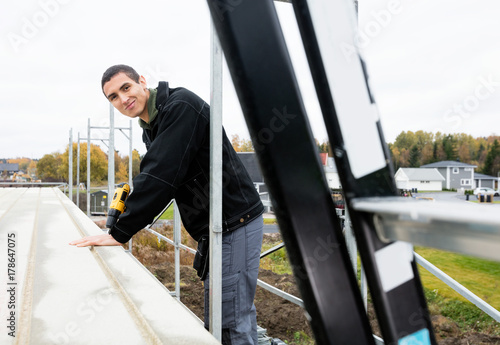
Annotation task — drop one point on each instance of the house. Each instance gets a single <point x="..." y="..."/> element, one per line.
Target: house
<point x="457" y="175"/>
<point x="249" y="160"/>
<point x="481" y="180"/>
<point x="331" y="173"/>
<point x="7" y="170"/>
<point x="428" y="179"/>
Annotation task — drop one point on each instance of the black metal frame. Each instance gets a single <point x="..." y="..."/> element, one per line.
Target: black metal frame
<point x="403" y="310"/>
<point x="265" y="83"/>
<point x="263" y="76"/>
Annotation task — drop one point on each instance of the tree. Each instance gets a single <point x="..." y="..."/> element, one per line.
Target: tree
<point x="235" y="141"/>
<point x="241" y="145"/>
<point x="450" y="147"/>
<point x="491" y="164"/>
<point x="136" y="163"/>
<point x="427" y="154"/>
<point x="325" y="147"/>
<point x="405" y="140"/>
<point x="246" y="145"/>
<point x="394" y="151"/>
<point x="414" y="160"/>
<point x="98" y="163"/>
<point x="49" y="168"/>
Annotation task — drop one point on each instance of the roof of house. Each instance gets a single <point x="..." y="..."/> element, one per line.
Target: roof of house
<point x="9" y="166"/>
<point x="478" y="176"/>
<point x="249" y="160"/>
<point x="445" y="164"/>
<point x="419" y="174"/>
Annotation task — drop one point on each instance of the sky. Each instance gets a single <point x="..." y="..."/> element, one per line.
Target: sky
<point x="432" y="65"/>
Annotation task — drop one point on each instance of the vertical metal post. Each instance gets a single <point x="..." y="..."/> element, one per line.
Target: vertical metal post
<point x="70" y="165"/>
<point x="111" y="155"/>
<point x="364" y="288"/>
<point x="177" y="241"/>
<point x="88" y="169"/>
<point x="215" y="255"/>
<point x="351" y="242"/>
<point x="78" y="172"/>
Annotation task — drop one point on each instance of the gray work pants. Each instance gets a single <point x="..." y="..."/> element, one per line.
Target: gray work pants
<point x="240" y="268"/>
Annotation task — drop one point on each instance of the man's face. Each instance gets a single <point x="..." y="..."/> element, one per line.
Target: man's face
<point x="129" y="97"/>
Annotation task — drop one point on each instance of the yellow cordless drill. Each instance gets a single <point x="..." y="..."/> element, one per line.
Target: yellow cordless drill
<point x="118" y="204"/>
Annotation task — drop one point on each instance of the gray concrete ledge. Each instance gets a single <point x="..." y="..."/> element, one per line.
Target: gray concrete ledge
<point x="68" y="295"/>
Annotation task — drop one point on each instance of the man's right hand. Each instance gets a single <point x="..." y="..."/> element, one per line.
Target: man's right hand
<point x="97" y="240"/>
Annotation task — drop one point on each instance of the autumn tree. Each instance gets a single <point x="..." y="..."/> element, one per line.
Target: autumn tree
<point x="492" y="162"/>
<point x="48" y="168"/>
<point x="427" y="154"/>
<point x="235" y="141"/>
<point x="98" y="163"/>
<point x="122" y="168"/>
<point x="241" y="145"/>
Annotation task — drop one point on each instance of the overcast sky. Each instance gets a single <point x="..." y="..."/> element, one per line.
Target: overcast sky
<point x="433" y="65"/>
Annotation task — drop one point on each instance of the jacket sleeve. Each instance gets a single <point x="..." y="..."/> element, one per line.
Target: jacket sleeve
<point x="181" y="133"/>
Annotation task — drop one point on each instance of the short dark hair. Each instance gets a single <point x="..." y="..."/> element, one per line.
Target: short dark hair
<point x="114" y="70"/>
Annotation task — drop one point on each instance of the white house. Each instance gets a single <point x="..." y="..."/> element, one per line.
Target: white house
<point x="331" y="173"/>
<point x="420" y="178"/>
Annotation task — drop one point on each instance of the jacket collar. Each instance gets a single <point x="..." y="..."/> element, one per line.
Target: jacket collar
<point x="162" y="95"/>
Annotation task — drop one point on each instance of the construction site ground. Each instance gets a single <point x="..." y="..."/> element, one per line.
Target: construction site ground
<point x="282" y="319"/>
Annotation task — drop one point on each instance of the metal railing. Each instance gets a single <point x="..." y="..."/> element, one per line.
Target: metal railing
<point x="352" y="248"/>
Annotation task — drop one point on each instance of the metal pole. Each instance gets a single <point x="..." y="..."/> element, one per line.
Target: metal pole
<point x="70" y="165"/>
<point x="351" y="242"/>
<point x="111" y="155"/>
<point x="364" y="287"/>
<point x="130" y="156"/>
<point x="78" y="172"/>
<point x="177" y="241"/>
<point x="88" y="169"/>
<point x="215" y="255"/>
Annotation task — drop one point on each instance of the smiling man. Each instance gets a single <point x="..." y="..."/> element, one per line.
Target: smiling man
<point x="176" y="125"/>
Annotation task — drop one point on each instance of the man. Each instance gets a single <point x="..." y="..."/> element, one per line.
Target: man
<point x="176" y="126"/>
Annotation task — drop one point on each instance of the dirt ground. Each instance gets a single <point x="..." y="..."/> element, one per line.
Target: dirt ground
<point x="282" y="319"/>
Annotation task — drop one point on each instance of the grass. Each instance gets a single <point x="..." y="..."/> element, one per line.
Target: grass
<point x="477" y="201"/>
<point x="169" y="213"/>
<point x="482" y="277"/>
<point x="301" y="337"/>
<point x="270" y="221"/>
<point x="277" y="261"/>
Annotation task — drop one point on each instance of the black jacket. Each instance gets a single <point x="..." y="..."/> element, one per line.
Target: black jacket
<point x="176" y="165"/>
